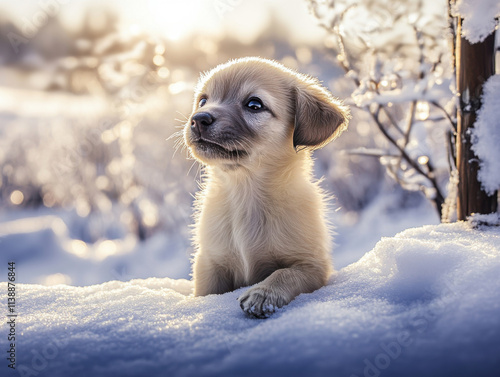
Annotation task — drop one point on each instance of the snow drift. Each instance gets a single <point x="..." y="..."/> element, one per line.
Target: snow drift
<point x="423" y="303"/>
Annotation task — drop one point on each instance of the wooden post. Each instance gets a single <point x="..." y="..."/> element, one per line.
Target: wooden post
<point x="475" y="63"/>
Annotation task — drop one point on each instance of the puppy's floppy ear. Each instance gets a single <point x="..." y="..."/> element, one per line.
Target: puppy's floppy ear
<point x="319" y="117"/>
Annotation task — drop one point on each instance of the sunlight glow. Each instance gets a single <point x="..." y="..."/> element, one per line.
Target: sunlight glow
<point x="177" y="87"/>
<point x="56" y="279"/>
<point x="149" y="212"/>
<point x="163" y="72"/>
<point x="125" y="130"/>
<point x="384" y="84"/>
<point x="17" y="197"/>
<point x="108" y="136"/>
<point x="422" y="110"/>
<point x="159" y="49"/>
<point x="304" y="55"/>
<point x="102" y="182"/>
<point x="49" y="200"/>
<point x="134" y="30"/>
<point x="423" y="160"/>
<point x="82" y="208"/>
<point x="105" y="249"/>
<point x="176" y="19"/>
<point x="158" y="60"/>
<point x="79" y="248"/>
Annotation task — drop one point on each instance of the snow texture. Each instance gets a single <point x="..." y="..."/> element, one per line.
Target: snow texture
<point x="423" y="303"/>
<point x="45" y="251"/>
<point x="478" y="18"/>
<point x="486" y="136"/>
<point x="422" y="91"/>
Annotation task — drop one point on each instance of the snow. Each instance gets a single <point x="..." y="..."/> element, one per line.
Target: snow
<point x="425" y="302"/>
<point x="423" y="91"/>
<point x="486" y="136"/>
<point x="478" y="18"/>
<point x="46" y="252"/>
<point x="379" y="219"/>
<point x="489" y="219"/>
<point x="47" y="105"/>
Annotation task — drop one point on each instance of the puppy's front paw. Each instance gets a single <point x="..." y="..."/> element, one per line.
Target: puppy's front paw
<point x="261" y="302"/>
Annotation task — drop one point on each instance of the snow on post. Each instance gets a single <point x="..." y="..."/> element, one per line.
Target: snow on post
<point x="486" y="136"/>
<point x="479" y="18"/>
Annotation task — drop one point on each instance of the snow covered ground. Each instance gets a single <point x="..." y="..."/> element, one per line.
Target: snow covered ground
<point x="423" y="303"/>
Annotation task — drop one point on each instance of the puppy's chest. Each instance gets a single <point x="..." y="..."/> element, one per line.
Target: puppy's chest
<point x="241" y="224"/>
<point x="249" y="233"/>
<point x="251" y="242"/>
<point x="250" y="221"/>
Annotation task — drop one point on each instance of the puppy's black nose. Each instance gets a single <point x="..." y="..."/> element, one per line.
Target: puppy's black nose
<point x="201" y="121"/>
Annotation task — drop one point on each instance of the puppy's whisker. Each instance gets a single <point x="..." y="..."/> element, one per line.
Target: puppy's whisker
<point x="235" y="149"/>
<point x="182" y="115"/>
<point x="179" y="143"/>
<point x="239" y="146"/>
<point x="194" y="162"/>
<point x="198" y="172"/>
<point x="175" y="134"/>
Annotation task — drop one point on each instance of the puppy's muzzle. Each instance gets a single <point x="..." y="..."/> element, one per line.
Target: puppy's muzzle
<point x="208" y="140"/>
<point x="200" y="123"/>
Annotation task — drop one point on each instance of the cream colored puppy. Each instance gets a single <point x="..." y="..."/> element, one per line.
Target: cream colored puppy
<point x="260" y="216"/>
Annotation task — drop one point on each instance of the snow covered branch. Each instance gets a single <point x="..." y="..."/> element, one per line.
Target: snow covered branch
<point x="400" y="66"/>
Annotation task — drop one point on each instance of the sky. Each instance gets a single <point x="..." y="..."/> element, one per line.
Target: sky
<point x="177" y="19"/>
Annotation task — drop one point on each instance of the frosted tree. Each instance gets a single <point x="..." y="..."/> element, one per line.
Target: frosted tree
<point x="400" y="55"/>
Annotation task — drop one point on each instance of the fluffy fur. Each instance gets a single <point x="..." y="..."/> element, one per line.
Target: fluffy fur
<point x="260" y="216"/>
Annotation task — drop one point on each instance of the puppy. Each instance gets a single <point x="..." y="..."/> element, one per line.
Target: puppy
<point x="260" y="216"/>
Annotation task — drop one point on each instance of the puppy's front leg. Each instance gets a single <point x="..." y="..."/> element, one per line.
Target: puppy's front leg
<point x="210" y="278"/>
<point x="281" y="287"/>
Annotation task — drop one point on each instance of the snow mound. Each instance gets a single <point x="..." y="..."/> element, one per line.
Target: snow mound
<point x="486" y="136"/>
<point x="423" y="303"/>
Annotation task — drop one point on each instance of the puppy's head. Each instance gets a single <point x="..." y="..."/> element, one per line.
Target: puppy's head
<point x="251" y="108"/>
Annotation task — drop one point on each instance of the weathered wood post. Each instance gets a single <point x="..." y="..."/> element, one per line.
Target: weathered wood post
<point x="475" y="63"/>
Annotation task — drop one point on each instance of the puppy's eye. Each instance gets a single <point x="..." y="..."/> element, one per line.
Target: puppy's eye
<point x="202" y="102"/>
<point x="255" y="104"/>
